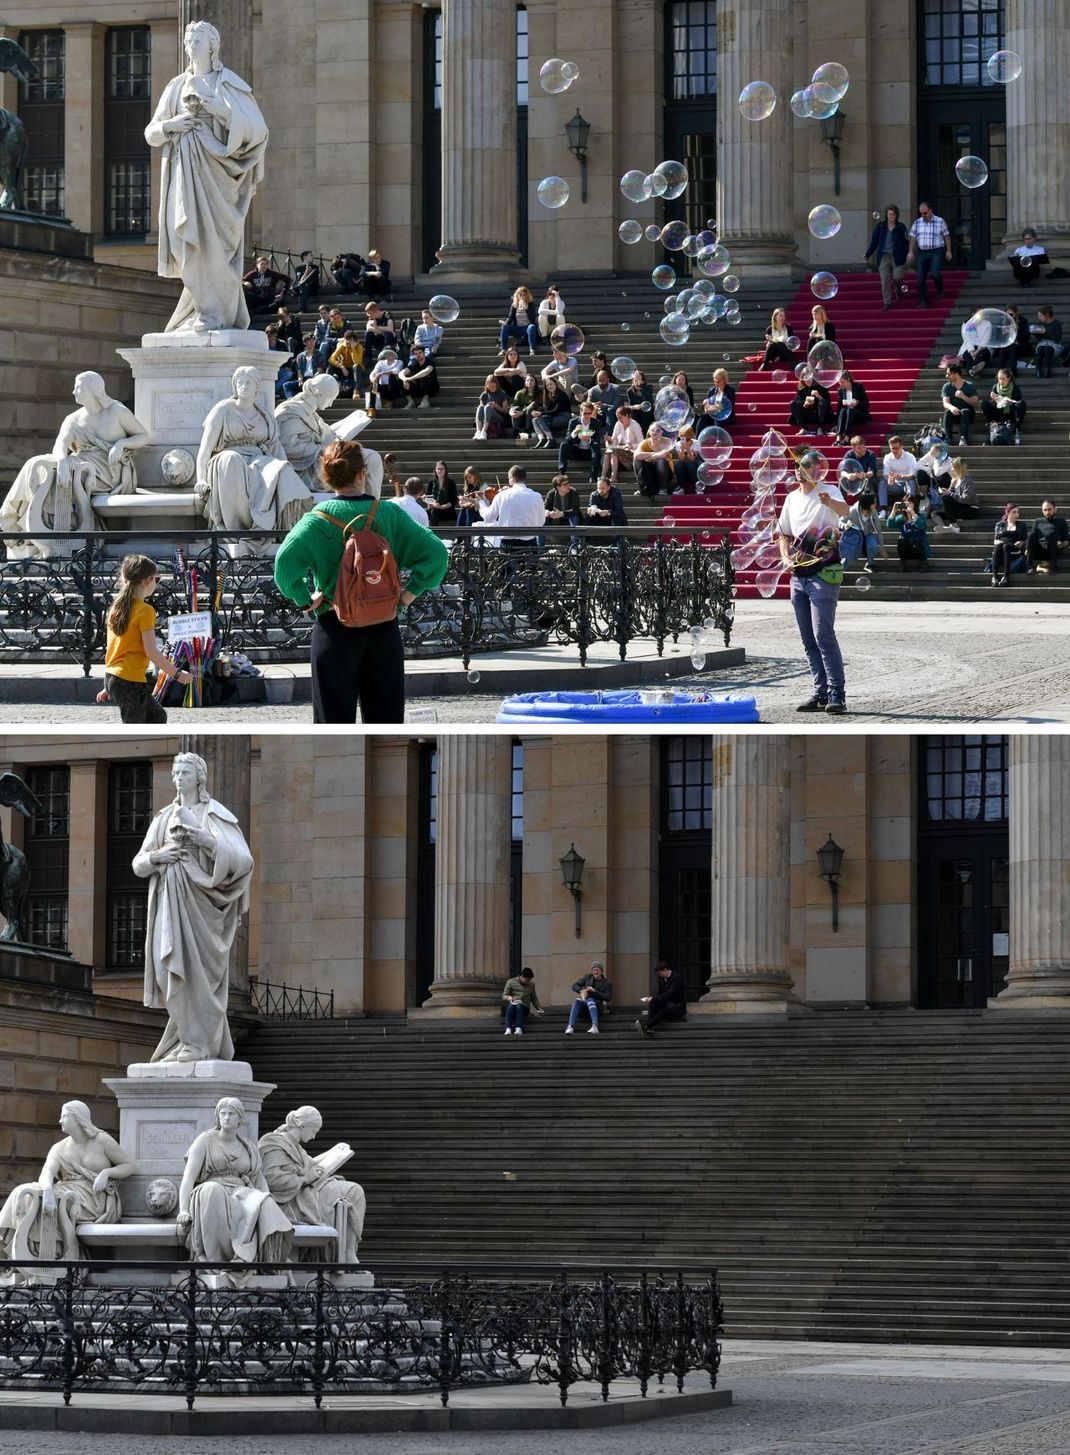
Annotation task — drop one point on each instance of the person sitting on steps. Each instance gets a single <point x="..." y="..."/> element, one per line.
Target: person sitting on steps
<point x="1048" y="539"/>
<point x="1009" y="546"/>
<point x="668" y="1003"/>
<point x="593" y="993"/>
<point x="520" y="997"/>
<point x="913" y="542"/>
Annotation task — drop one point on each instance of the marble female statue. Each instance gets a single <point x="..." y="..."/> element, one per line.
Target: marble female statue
<point x="306" y="1188"/>
<point x="200" y="869"/>
<point x="244" y="480"/>
<point x="77" y="1185"/>
<point x="226" y="1212"/>
<point x="303" y="433"/>
<point x="92" y="454"/>
<point x="213" y="137"/>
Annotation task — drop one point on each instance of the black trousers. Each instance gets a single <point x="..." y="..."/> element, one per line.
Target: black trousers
<point x="357" y="667"/>
<point x="134" y="700"/>
<point x="657" y="1013"/>
<point x="1016" y="412"/>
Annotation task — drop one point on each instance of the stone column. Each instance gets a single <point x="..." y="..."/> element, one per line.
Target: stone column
<point x="1038" y="125"/>
<point x="478" y="141"/>
<point x="1039" y="790"/>
<point x="751" y="822"/>
<point x="87" y="896"/>
<point x="234" y="21"/>
<point x="227" y="757"/>
<point x="83" y="126"/>
<point x="472" y="874"/>
<point x="754" y="158"/>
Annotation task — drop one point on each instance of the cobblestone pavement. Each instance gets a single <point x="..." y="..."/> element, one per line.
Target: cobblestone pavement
<point x="805" y="1399"/>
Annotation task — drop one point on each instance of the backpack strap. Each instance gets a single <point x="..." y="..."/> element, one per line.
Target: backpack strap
<point x="344" y="525"/>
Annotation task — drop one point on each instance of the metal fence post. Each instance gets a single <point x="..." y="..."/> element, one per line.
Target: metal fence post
<point x="318" y="1360"/>
<point x="583" y="596"/>
<point x="607" y="1355"/>
<point x="189" y="1353"/>
<point x="682" y="1331"/>
<point x="68" y="1334"/>
<point x="564" y="1339"/>
<point x="644" y="1335"/>
<point x="445" y="1337"/>
<point x="88" y="623"/>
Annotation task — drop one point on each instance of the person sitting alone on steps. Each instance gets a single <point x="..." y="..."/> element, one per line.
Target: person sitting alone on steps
<point x="1048" y="538"/>
<point x="520" y="997"/>
<point x="593" y="993"/>
<point x="668" y="1003"/>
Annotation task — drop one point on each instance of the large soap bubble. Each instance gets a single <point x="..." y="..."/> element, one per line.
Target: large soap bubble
<point x="800" y="104"/>
<point x="820" y="102"/>
<point x="989" y="328"/>
<point x="1004" y="66"/>
<point x="556" y="75"/>
<point x="569" y="338"/>
<point x="714" y="444"/>
<point x="767" y="468"/>
<point x="623" y="366"/>
<point x="671" y="406"/>
<point x="768" y="581"/>
<point x="971" y="171"/>
<point x="673" y="236"/>
<point x="826" y="361"/>
<point x="630" y="231"/>
<point x="552" y="191"/>
<point x="634" y="186"/>
<point x="663" y="277"/>
<point x="714" y="261"/>
<point x="675" y="177"/>
<point x="834" y="76"/>
<point x="719" y="411"/>
<point x="824" y="221"/>
<point x="443" y="308"/>
<point x="852" y="475"/>
<point x="757" y="100"/>
<point x="812" y="465"/>
<point x="824" y="285"/>
<point x="675" y="329"/>
<point x="709" y="476"/>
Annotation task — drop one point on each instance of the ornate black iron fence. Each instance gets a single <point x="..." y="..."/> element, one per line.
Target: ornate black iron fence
<point x="442" y="1331"/>
<point x="577" y="586"/>
<point x="291" y="1002"/>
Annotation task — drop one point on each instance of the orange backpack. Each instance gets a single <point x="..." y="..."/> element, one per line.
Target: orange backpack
<point x="369" y="587"/>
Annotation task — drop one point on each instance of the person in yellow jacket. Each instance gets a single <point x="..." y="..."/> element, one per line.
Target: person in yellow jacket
<point x="346" y="364"/>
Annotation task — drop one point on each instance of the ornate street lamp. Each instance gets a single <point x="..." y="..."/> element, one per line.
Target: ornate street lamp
<point x="577" y="130"/>
<point x="572" y="876"/>
<point x="830" y="862"/>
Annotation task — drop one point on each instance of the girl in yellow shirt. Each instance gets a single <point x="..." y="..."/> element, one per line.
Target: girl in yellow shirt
<point x="132" y="644"/>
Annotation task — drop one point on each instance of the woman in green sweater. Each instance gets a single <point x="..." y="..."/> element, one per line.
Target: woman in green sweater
<point x="354" y="666"/>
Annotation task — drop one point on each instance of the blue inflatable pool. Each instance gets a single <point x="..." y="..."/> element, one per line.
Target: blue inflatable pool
<point x="660" y="705"/>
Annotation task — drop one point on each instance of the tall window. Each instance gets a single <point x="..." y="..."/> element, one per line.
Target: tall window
<point x="129" y="816"/>
<point x="684" y="860"/>
<point x="692" y="49"/>
<point x="47" y="849"/>
<point x="687" y="779"/>
<point x="126" y="114"/>
<point x="966" y="779"/>
<point x="958" y="37"/>
<point x="690" y="124"/>
<point x="41" y="109"/>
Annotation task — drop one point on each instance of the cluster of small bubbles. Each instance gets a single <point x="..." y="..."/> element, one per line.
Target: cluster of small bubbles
<point x="630" y="231"/>
<point x="556" y="75"/>
<point x="824" y="221"/>
<point x="675" y="329"/>
<point x="757" y="101"/>
<point x="824" y="285"/>
<point x="552" y="191"/>
<point x="1004" y="66"/>
<point x="674" y="175"/>
<point x="730" y="283"/>
<point x="673" y="236"/>
<point x="663" y="277"/>
<point x="634" y="187"/>
<point x="569" y="338"/>
<point x="443" y="308"/>
<point x="971" y="171"/>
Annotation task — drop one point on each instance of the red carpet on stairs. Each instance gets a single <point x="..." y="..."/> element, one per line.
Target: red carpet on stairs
<point x="884" y="351"/>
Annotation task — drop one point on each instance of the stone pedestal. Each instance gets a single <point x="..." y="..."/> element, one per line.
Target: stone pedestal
<point x="164" y="1105"/>
<point x="178" y="377"/>
<point x="749" y="950"/>
<point x="471" y="875"/>
<point x="1038" y="125"/>
<point x="754" y="158"/>
<point x="1039" y="794"/>
<point x="478" y="142"/>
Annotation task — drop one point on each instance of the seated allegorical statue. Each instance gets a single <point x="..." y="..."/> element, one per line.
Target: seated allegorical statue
<point x="92" y="454"/>
<point x="303" y="432"/>
<point x="76" y="1185"/>
<point x="306" y="1187"/>
<point x="244" y="480"/>
<point x="226" y="1213"/>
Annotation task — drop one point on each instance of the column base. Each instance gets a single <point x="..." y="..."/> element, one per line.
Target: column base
<point x="749" y="995"/>
<point x="476" y="263"/>
<point x="764" y="257"/>
<point x="458" y="999"/>
<point x="1040" y="990"/>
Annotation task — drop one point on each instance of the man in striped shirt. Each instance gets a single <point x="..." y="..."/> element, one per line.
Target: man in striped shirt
<point x="930" y="244"/>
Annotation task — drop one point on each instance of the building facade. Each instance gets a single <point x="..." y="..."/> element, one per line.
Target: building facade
<point x="411" y="876"/>
<point x="422" y="128"/>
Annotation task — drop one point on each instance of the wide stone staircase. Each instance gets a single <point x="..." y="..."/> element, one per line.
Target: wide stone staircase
<point x="851" y="1175"/>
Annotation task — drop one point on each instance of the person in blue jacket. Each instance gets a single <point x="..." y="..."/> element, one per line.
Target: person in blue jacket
<point x="889" y="246"/>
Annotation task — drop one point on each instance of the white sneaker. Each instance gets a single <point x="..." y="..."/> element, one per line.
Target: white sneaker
<point x="956" y="528"/>
<point x="518" y="1032"/>
<point x="882" y="515"/>
<point x="480" y="434"/>
<point x="508" y="1030"/>
<point x="569" y="1030"/>
<point x="593" y="1031"/>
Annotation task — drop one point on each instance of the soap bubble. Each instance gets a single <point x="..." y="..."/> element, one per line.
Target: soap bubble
<point x="627" y="328"/>
<point x="767" y="468"/>
<point x="673" y="235"/>
<point x="824" y="285"/>
<point x="971" y="172"/>
<point x="675" y="329"/>
<point x="705" y="238"/>
<point x="793" y="342"/>
<point x="674" y="175"/>
<point x="630" y="231"/>
<point x="774" y="441"/>
<point x="824" y="221"/>
<point x="634" y="186"/>
<point x="714" y="261"/>
<point x="709" y="475"/>
<point x="989" y="328"/>
<point x="752" y="409"/>
<point x="696" y="305"/>
<point x="780" y="376"/>
<point x="804" y="372"/>
<point x="767" y="581"/>
<point x="553" y="192"/>
<point x="690" y="245"/>
<point x="714" y="444"/>
<point x="652" y="232"/>
<point x="623" y="367"/>
<point x="569" y="337"/>
<point x="698" y="660"/>
<point x="864" y="582"/>
<point x="669" y="304"/>
<point x="757" y="101"/>
<point x="851" y="474"/>
<point x="812" y="465"/>
<point x="473" y="676"/>
<point x="556" y="75"/>
<point x="443" y="308"/>
<point x="663" y="277"/>
<point x="719" y="411"/>
<point x="671" y="406"/>
<point x="670" y="520"/>
<point x="821" y="102"/>
<point x="1004" y="66"/>
<point x="800" y="104"/>
<point x="834" y="76"/>
<point x="875" y="216"/>
<point x="657" y="185"/>
<point x="826" y="361"/>
<point x="705" y="287"/>
<point x="730" y="283"/>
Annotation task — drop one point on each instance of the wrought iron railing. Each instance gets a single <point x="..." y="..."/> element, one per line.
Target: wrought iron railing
<point x="436" y="1330"/>
<point x="583" y="585"/>
<point x="291" y="1002"/>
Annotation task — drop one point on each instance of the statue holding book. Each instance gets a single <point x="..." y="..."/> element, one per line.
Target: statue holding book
<point x="307" y="1188"/>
